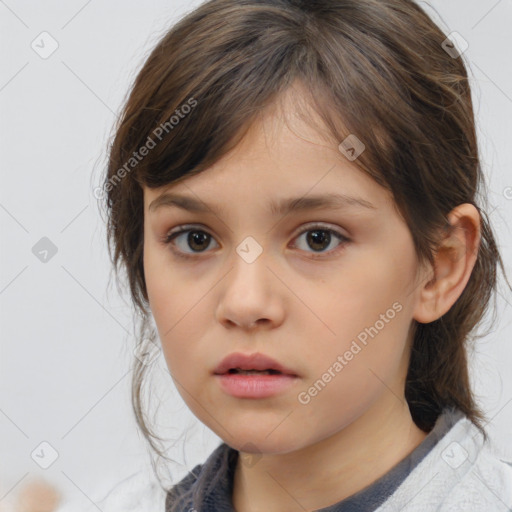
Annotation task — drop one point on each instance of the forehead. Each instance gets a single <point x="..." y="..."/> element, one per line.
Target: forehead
<point x="286" y="154"/>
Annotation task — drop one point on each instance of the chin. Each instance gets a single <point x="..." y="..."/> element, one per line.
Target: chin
<point x="258" y="441"/>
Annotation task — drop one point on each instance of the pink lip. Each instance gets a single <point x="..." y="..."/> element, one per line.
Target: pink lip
<point x="254" y="361"/>
<point x="255" y="386"/>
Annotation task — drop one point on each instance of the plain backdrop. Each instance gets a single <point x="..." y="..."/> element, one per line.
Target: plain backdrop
<point x="66" y="332"/>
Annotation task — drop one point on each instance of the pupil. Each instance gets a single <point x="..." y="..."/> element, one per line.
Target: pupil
<point x="319" y="237"/>
<point x="197" y="237"/>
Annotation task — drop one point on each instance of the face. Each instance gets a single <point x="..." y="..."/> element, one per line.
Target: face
<point x="326" y="290"/>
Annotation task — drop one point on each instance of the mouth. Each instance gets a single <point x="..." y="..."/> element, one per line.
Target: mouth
<point x="254" y="377"/>
<point x="251" y="364"/>
<point x="240" y="371"/>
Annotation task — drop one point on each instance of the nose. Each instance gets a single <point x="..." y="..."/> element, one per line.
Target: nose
<point x="250" y="296"/>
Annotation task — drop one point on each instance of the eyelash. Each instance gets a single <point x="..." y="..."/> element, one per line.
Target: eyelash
<point x="169" y="238"/>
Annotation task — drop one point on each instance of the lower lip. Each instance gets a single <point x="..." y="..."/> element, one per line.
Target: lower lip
<point x="255" y="386"/>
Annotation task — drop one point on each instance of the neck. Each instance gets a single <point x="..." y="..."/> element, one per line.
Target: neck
<point x="319" y="475"/>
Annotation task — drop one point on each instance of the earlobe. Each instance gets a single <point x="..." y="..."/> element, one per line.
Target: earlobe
<point x="454" y="261"/>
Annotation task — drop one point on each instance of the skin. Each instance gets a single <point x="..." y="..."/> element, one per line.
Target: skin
<point x="302" y="305"/>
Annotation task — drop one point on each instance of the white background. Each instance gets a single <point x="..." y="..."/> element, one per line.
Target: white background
<point x="66" y="343"/>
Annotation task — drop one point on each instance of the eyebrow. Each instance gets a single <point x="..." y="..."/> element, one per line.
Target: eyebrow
<point x="280" y="207"/>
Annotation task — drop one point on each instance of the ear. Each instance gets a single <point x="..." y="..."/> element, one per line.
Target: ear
<point x="453" y="263"/>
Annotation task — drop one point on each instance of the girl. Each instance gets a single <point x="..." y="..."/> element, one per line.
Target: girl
<point x="292" y="190"/>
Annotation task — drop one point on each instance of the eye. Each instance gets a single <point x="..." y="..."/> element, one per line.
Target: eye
<point x="197" y="239"/>
<point x="318" y="238"/>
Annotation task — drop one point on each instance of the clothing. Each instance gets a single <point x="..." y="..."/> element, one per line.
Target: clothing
<point x="452" y="470"/>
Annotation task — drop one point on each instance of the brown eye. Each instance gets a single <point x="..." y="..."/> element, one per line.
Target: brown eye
<point x="198" y="240"/>
<point x="187" y="242"/>
<point x="319" y="239"/>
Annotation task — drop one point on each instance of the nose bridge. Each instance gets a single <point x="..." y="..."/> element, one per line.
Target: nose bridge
<point x="248" y="292"/>
<point x="250" y="266"/>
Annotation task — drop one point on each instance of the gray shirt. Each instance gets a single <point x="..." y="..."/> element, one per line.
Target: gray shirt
<point x="209" y="486"/>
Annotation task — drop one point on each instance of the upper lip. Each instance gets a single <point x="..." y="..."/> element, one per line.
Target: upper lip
<point x="255" y="361"/>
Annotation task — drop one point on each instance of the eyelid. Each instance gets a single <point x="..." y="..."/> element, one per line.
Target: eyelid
<point x="184" y="228"/>
<point x="306" y="227"/>
<point x="310" y="226"/>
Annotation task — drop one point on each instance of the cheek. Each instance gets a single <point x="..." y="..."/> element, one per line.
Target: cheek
<point x="169" y="293"/>
<point x="366" y="361"/>
<point x="360" y="293"/>
<point x="157" y="285"/>
<point x="366" y="311"/>
<point x="168" y="299"/>
<point x="181" y="304"/>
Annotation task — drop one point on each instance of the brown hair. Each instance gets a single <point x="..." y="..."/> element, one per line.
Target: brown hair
<point x="374" y="68"/>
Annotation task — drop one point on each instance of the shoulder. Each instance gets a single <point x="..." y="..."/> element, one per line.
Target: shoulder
<point x="462" y="472"/>
<point x="206" y="485"/>
<point x="488" y="484"/>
